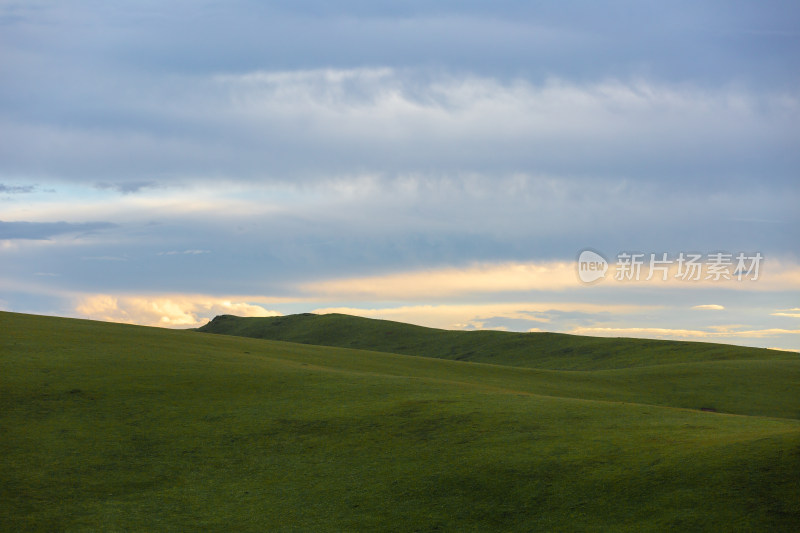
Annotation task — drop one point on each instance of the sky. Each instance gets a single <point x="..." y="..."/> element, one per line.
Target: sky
<point x="449" y="164"/>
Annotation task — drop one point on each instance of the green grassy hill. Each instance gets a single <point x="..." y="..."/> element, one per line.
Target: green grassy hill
<point x="556" y="351"/>
<point x="109" y="427"/>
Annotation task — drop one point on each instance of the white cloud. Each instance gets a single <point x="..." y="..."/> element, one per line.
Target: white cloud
<point x="709" y="307"/>
<point x="355" y="101"/>
<point x="469" y="118"/>
<point x="530" y="276"/>
<point x="164" y="310"/>
<point x="671" y="333"/>
<point x="434" y="283"/>
<point x="185" y="252"/>
<point x="77" y="203"/>
<point x="104" y="258"/>
<point x="793" y="312"/>
<point x="399" y="120"/>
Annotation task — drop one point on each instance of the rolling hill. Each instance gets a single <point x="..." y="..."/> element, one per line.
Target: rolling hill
<point x="555" y="351"/>
<point x="111" y="427"/>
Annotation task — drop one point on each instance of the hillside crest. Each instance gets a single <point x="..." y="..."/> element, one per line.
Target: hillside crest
<point x="555" y="351"/>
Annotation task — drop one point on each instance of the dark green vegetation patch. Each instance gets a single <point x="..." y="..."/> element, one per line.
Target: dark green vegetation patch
<point x="108" y="427"/>
<point x="556" y="351"/>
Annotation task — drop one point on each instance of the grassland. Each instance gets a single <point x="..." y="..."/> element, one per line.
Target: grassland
<point x="555" y="351"/>
<point x="108" y="427"/>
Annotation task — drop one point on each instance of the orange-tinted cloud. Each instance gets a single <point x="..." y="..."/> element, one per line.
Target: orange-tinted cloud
<point x="164" y="310"/>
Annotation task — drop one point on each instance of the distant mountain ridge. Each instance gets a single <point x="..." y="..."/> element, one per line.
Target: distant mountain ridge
<point x="555" y="351"/>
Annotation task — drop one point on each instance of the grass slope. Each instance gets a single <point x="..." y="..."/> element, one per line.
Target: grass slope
<point x="556" y="351"/>
<point x="112" y="427"/>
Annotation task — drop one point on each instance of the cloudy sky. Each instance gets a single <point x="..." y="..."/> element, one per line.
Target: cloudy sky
<point x="440" y="163"/>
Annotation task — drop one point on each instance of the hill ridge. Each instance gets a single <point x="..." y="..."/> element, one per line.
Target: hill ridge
<point x="545" y="350"/>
